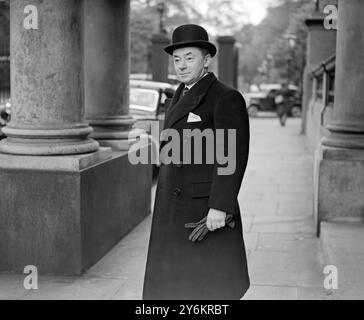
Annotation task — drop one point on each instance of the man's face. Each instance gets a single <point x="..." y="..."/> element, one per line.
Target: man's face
<point x="189" y="64"/>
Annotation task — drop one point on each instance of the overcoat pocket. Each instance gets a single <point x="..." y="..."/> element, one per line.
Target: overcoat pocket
<point x="200" y="189"/>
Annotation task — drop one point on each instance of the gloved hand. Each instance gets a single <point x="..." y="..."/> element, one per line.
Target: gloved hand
<point x="200" y="229"/>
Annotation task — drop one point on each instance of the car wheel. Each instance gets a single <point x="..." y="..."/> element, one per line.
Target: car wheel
<point x="296" y="111"/>
<point x="253" y="111"/>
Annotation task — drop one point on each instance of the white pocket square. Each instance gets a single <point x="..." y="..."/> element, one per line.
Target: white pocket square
<point x="193" y="117"/>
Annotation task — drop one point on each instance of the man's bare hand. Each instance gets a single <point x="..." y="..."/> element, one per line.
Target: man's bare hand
<point x="215" y="219"/>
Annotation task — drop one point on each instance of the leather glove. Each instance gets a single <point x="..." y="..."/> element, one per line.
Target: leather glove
<point x="200" y="229"/>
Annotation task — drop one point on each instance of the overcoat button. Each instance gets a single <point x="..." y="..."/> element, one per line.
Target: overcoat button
<point x="176" y="192"/>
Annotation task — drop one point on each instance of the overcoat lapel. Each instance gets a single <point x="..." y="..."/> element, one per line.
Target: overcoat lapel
<point x="179" y="109"/>
<point x="174" y="99"/>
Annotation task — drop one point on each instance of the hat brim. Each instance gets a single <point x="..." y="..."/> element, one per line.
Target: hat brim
<point x="200" y="44"/>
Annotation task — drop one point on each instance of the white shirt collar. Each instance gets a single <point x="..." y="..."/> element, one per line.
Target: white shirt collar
<point x="191" y="85"/>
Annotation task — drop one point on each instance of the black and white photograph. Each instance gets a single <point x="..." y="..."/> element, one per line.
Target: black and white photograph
<point x="169" y="150"/>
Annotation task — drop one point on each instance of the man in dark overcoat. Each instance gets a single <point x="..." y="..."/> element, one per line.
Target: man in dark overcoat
<point x="215" y="267"/>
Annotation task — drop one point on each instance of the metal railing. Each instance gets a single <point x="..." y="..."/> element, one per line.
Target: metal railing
<point x="324" y="73"/>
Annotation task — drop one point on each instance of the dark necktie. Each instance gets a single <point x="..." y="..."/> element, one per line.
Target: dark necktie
<point x="184" y="91"/>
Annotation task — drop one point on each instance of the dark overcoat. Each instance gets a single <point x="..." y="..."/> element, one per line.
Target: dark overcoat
<point x="216" y="267"/>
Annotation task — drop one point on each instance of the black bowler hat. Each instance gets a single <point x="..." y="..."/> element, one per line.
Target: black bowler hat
<point x="190" y="35"/>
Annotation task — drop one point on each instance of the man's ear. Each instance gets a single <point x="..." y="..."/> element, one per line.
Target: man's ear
<point x="207" y="60"/>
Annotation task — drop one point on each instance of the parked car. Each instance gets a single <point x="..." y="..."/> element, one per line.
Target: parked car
<point x="148" y="105"/>
<point x="5" y="111"/>
<point x="263" y="100"/>
<point x="147" y="99"/>
<point x="172" y="79"/>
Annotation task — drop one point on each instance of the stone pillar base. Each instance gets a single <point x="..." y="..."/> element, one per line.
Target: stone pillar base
<point x="347" y="140"/>
<point x="48" y="141"/>
<point x="62" y="214"/>
<point x="122" y="141"/>
<point x="117" y="133"/>
<point x="339" y="182"/>
<point x="120" y="145"/>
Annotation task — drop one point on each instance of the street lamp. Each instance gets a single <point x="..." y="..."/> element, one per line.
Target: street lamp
<point x="270" y="66"/>
<point x="161" y="7"/>
<point x="291" y="39"/>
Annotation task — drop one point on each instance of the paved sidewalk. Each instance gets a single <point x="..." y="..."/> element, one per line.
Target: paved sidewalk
<point x="284" y="256"/>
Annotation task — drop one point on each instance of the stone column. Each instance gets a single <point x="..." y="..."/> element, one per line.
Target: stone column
<point x="62" y="213"/>
<point x="347" y="125"/>
<point x="226" y="63"/>
<point x="236" y="67"/>
<point x="341" y="159"/>
<point x="321" y="44"/>
<point x="159" y="57"/>
<point x="107" y="67"/>
<point x="47" y="81"/>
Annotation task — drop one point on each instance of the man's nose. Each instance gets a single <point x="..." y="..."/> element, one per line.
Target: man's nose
<point x="182" y="66"/>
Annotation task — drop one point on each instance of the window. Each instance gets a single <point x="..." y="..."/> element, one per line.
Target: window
<point x="144" y="99"/>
